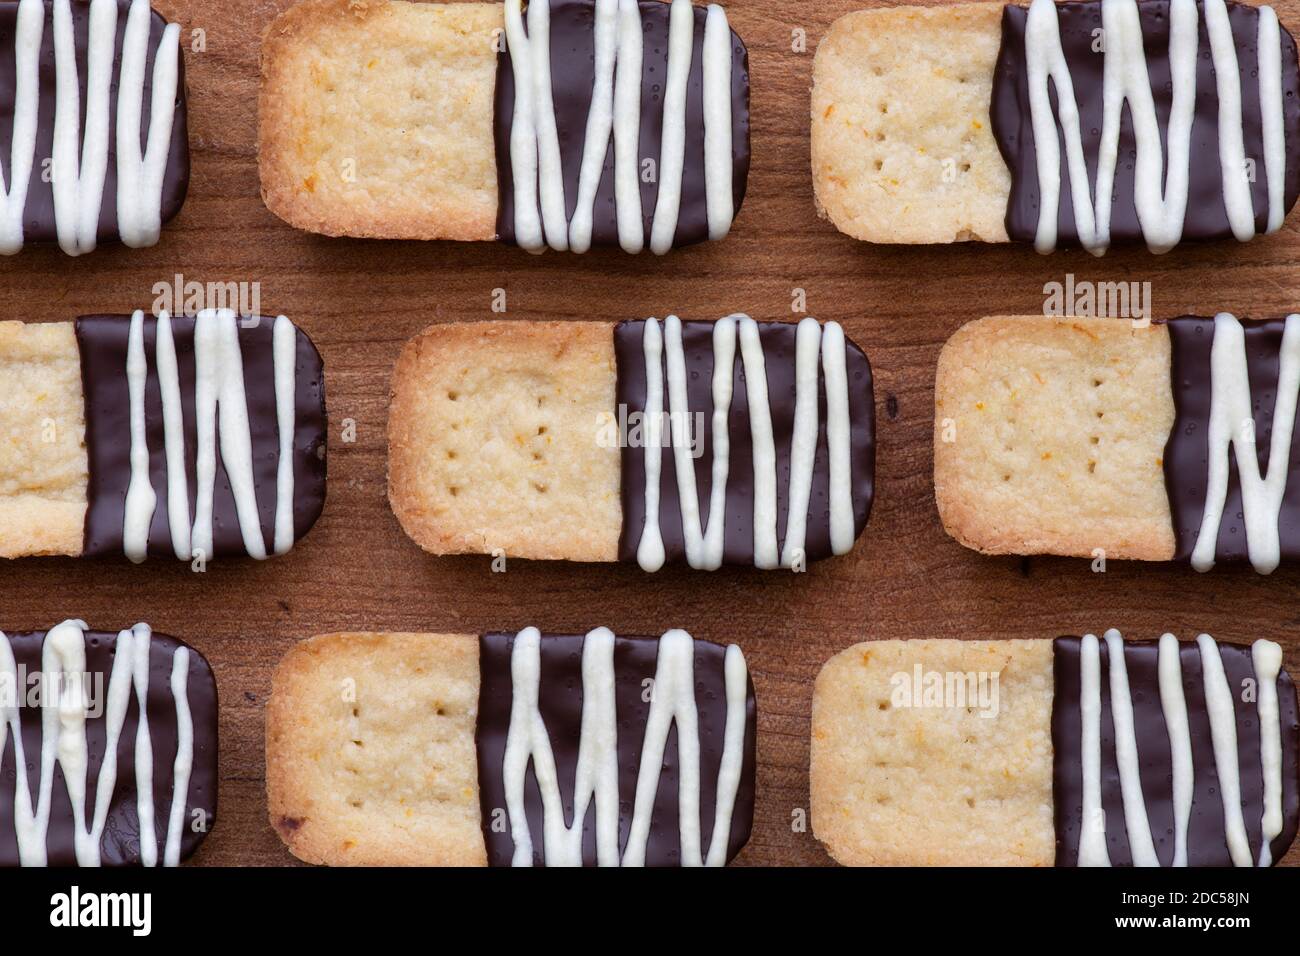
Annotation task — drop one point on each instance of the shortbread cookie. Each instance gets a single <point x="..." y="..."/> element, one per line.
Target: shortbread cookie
<point x="42" y="441"/>
<point x="944" y="124"/>
<point x="1040" y="753"/>
<point x="451" y="750"/>
<point x="110" y="179"/>
<point x="193" y="438"/>
<point x="108" y="745"/>
<point x="902" y="146"/>
<point x="601" y="442"/>
<point x="1093" y="437"/>
<point x="391" y="119"/>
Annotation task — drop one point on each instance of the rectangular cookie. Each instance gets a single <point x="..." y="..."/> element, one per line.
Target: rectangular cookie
<point x="187" y="437"/>
<point x="927" y="123"/>
<point x="600" y="442"/>
<point x="131" y="719"/>
<point x="1100" y="438"/>
<point x="399" y="120"/>
<point x="452" y="750"/>
<point x="1041" y="753"/>
<point x="99" y="183"/>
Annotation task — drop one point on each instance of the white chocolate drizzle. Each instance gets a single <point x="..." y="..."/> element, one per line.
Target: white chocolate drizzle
<point x="141" y="499"/>
<point x="1223" y="737"/>
<point x="536" y="164"/>
<point x="1161" y="181"/>
<point x="1232" y="425"/>
<point x="1173" y="704"/>
<point x="1267" y="658"/>
<point x="1126" y="755"/>
<point x="1092" y="833"/>
<point x="80" y="159"/>
<point x="704" y="546"/>
<point x="285" y="345"/>
<point x="221" y="406"/>
<point x="673" y="705"/>
<point x="1267" y="661"/>
<point x="65" y="708"/>
<point x="29" y="27"/>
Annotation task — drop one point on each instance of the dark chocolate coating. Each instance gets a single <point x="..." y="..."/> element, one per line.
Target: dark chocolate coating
<point x="38" y="217"/>
<point x="103" y="343"/>
<point x="1187" y="452"/>
<point x="1206" y="217"/>
<point x="778" y="340"/>
<point x="560" y="701"/>
<point x="573" y="46"/>
<point x="120" y="845"/>
<point x="1206" y="834"/>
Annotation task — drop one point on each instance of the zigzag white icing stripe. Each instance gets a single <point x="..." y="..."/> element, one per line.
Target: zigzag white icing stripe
<point x="705" y="546"/>
<point x="1161" y="182"/>
<point x="221" y="406"/>
<point x="80" y="160"/>
<point x="537" y="169"/>
<point x="1232" y="425"/>
<point x="65" y="709"/>
<point x="1267" y="660"/>
<point x="673" y="705"/>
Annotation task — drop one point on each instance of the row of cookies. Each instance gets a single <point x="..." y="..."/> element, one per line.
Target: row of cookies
<point x="518" y="749"/>
<point x="203" y="437"/>
<point x="345" y="701"/>
<point x="704" y="443"/>
<point x="627" y="122"/>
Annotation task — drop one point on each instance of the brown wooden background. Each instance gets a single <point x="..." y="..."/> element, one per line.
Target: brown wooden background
<point x="361" y="300"/>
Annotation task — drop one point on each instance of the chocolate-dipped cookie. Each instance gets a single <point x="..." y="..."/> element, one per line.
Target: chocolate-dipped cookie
<point x="188" y="437"/>
<point x="1102" y="438"/>
<point x="1072" y="752"/>
<point x="512" y="749"/>
<point x="704" y="443"/>
<point x="1083" y="123"/>
<point x="572" y="124"/>
<point x="93" y="134"/>
<point x="108" y="748"/>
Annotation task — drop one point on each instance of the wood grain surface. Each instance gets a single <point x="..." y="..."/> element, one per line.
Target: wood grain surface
<point x="360" y="300"/>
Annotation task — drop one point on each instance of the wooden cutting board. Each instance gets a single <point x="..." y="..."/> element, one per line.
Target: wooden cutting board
<point x="361" y="300"/>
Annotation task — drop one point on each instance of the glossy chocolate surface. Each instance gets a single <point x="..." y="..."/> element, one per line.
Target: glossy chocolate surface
<point x="572" y="75"/>
<point x="1187" y="452"/>
<point x="1207" y="216"/>
<point x="560" y="702"/>
<point x="1206" y="840"/>
<point x="38" y="218"/>
<point x="778" y="339"/>
<point x="120" y="845"/>
<point x="103" y="343"/>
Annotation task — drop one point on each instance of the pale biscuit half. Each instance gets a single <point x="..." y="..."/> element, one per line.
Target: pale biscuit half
<point x="370" y="752"/>
<point x="375" y="118"/>
<point x="495" y="440"/>
<point x="902" y="146"/>
<point x="43" y="465"/>
<point x="1049" y="437"/>
<point x="896" y="784"/>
